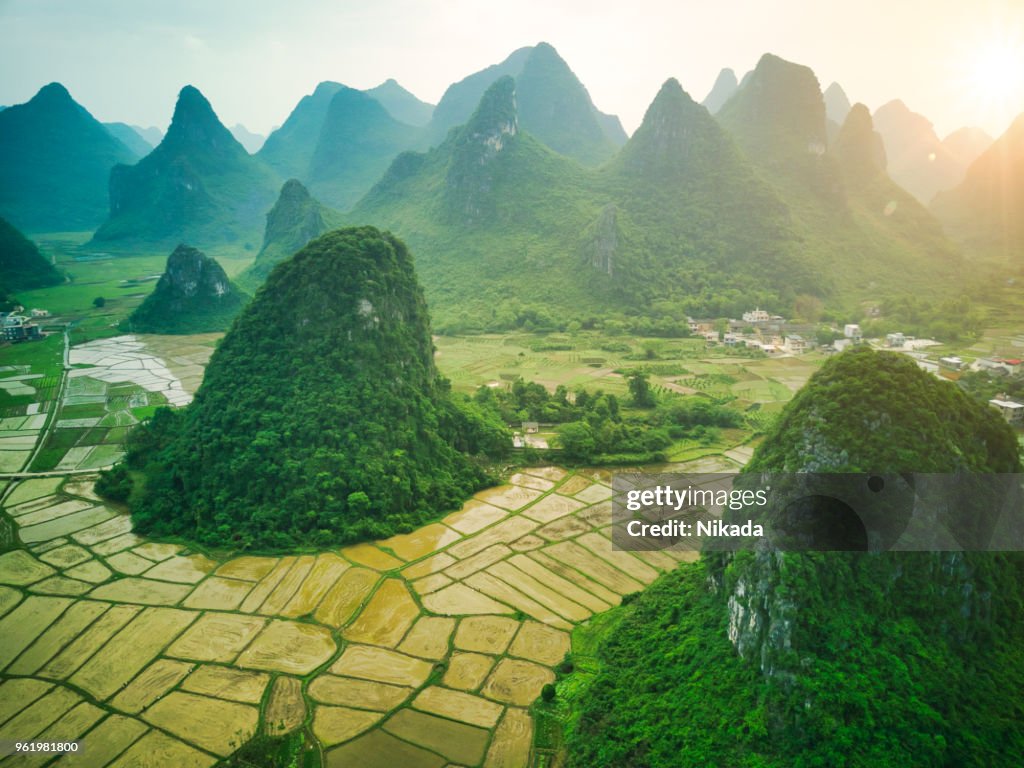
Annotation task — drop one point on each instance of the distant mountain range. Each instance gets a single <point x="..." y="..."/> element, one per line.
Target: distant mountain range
<point x="786" y="190"/>
<point x="55" y="161"/>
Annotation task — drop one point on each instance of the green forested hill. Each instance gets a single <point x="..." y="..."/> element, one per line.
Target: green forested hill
<point x="507" y="228"/>
<point x="199" y="185"/>
<point x="862" y="234"/>
<point x="554" y="105"/>
<point x="321" y="417"/>
<point x="55" y="161"/>
<point x="295" y="219"/>
<point x="192" y="296"/>
<point x="770" y="660"/>
<point x="22" y="267"/>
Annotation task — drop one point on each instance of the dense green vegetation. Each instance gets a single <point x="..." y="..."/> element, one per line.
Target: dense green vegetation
<point x="192" y="296"/>
<point x="295" y="219"/>
<point x="22" y="267"/>
<point x="55" y="161"/>
<point x="828" y="659"/>
<point x="198" y="186"/>
<point x="321" y="418"/>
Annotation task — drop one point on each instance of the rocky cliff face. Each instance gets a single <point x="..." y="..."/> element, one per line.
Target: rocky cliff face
<point x="296" y="218"/>
<point x="470" y="180"/>
<point x="193" y="295"/>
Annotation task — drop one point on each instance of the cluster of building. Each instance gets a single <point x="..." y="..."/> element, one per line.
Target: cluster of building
<point x="15" y="327"/>
<point x="771" y="334"/>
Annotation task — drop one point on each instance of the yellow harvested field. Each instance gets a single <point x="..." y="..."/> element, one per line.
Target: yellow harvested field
<point x="156" y="551"/>
<point x="527" y="543"/>
<point x="510" y="497"/>
<point x="157" y="749"/>
<point x="24" y="624"/>
<point x="90" y="641"/>
<point x="371" y="557"/>
<point x="477" y="562"/>
<point x="594" y="494"/>
<point x="554" y="474"/>
<point x="429" y="566"/>
<point x="428" y="638"/>
<point x="226" y="683"/>
<point x="143" y="591"/>
<point x="183" y="570"/>
<point x="217" y="726"/>
<point x="70" y="727"/>
<point x="460" y="743"/>
<point x="58" y="585"/>
<point x="150" y="684"/>
<point x="116" y="526"/>
<point x="624" y="561"/>
<point x="130" y="650"/>
<point x="333" y="725"/>
<point x="218" y="594"/>
<point x="590" y="565"/>
<point x="371" y="663"/>
<point x="574" y="485"/>
<point x="65" y="556"/>
<point x="475" y="515"/>
<point x="541" y="643"/>
<point x="552" y="507"/>
<point x="286" y="707"/>
<point x="569" y="573"/>
<point x="544" y="595"/>
<point x="116" y="544"/>
<point x="508" y="530"/>
<point x="105" y="742"/>
<point x="267" y="585"/>
<point x="19" y="568"/>
<point x="361" y="694"/>
<point x="422" y="542"/>
<point x="247" y="568"/>
<point x="18" y="693"/>
<point x="386" y="618"/>
<point x="378" y="749"/>
<point x="460" y="600"/>
<point x="93" y="572"/>
<point x="566" y="528"/>
<point x="431" y="583"/>
<point x="217" y="637"/>
<point x="70" y="625"/>
<point x="467" y="671"/>
<point x="288" y="586"/>
<point x="287" y="646"/>
<point x="39" y="715"/>
<point x="127" y="562"/>
<point x="517" y="682"/>
<point x="510" y="747"/>
<point x="486" y="634"/>
<point x="531" y="481"/>
<point x="457" y="705"/>
<point x="344" y="598"/>
<point x="322" y="576"/>
<point x="499" y="590"/>
<point x="563" y="586"/>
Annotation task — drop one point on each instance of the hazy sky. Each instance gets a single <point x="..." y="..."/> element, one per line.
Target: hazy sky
<point x="958" y="62"/>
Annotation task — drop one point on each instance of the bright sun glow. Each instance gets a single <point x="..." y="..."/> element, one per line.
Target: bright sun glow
<point x="996" y="72"/>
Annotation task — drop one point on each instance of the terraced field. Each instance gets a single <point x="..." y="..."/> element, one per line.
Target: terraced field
<point x="425" y="649"/>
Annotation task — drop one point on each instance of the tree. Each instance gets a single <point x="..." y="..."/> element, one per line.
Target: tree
<point x="99" y="302"/>
<point x="640" y="390"/>
<point x="578" y="441"/>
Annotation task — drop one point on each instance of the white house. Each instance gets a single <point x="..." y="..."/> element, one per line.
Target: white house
<point x="852" y="331"/>
<point x="1012" y="412"/>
